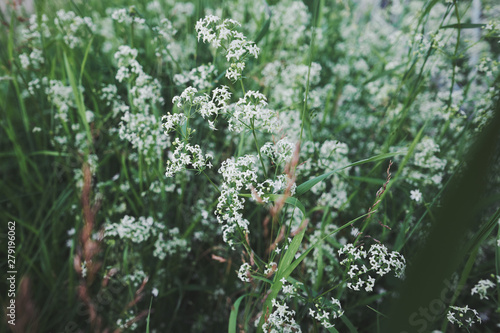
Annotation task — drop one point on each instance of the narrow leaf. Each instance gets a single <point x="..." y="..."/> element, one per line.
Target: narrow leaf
<point x="306" y="186"/>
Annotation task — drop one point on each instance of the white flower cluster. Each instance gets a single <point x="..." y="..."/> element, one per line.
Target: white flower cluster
<point x="251" y="112"/>
<point x="288" y="81"/>
<point x="380" y="261"/>
<point x="128" y="17"/>
<point x="165" y="30"/>
<point x="206" y="106"/>
<point x="73" y="27"/>
<point x="272" y="186"/>
<point x="329" y="308"/>
<point x="34" y="31"/>
<point x="280" y="152"/>
<point x="281" y="319"/>
<point x="110" y="96"/>
<point x="200" y="77"/>
<point x="430" y="167"/>
<point x="481" y="288"/>
<point x="144" y="132"/>
<point x="145" y="90"/>
<point x="173" y="245"/>
<point x="322" y="158"/>
<point x="216" y="32"/>
<point x="244" y="272"/>
<point x="237" y="175"/>
<point x="288" y="289"/>
<point x="35" y="85"/>
<point x="463" y="316"/>
<point x="168" y="48"/>
<point x="135" y="230"/>
<point x="129" y="323"/>
<point x="142" y="229"/>
<point x="186" y="155"/>
<point x="291" y="32"/>
<point x="34" y="59"/>
<point x="61" y="96"/>
<point x="172" y="121"/>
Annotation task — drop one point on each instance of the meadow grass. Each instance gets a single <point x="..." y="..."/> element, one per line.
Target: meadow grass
<point x="278" y="166"/>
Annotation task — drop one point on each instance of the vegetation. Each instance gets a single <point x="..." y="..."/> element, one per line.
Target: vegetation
<point x="268" y="166"/>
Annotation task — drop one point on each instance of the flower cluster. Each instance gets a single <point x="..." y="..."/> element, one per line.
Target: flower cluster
<point x="381" y="262"/>
<point x="281" y="319"/>
<point x="145" y="91"/>
<point x="251" y="112"/>
<point x="430" y="168"/>
<point x="463" y="316"/>
<point x="288" y="82"/>
<point x="237" y="174"/>
<point x="75" y="29"/>
<point x="291" y="32"/>
<point x="206" y="106"/>
<point x="61" y="96"/>
<point x="280" y="152"/>
<point x="175" y="244"/>
<point x="223" y="34"/>
<point x="328" y="156"/>
<point x="186" y="155"/>
<point x="136" y="230"/>
<point x="326" y="310"/>
<point x="34" y="59"/>
<point x="35" y="30"/>
<point x="481" y="288"/>
<point x="201" y="77"/>
<point x="244" y="272"/>
<point x="140" y="230"/>
<point x="144" y="132"/>
<point x="127" y="16"/>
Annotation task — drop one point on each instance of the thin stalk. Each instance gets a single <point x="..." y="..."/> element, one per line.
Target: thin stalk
<point x="258" y="151"/>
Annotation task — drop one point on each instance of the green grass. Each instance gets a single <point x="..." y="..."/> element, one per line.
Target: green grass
<point x="386" y="110"/>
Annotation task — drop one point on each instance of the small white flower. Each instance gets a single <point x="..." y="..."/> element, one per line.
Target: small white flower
<point x="415" y="195"/>
<point x="481" y="288"/>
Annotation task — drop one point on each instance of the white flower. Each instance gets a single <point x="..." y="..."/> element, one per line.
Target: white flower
<point x="415" y="195"/>
<point x="481" y="288"/>
<point x="216" y="32"/>
<point x="244" y="272"/>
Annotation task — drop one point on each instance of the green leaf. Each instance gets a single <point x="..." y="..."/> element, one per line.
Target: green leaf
<point x="290" y="267"/>
<point x="263" y="31"/>
<point x="464" y="26"/>
<point x="349" y="324"/>
<point x="284" y="262"/>
<point x="149" y="315"/>
<point x="296" y="203"/>
<point x="75" y="86"/>
<point x="234" y="314"/>
<point x="306" y="186"/>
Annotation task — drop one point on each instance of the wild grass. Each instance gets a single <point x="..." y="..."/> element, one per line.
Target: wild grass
<point x="360" y="133"/>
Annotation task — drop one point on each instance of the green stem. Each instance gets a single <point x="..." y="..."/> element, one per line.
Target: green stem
<point x="210" y="180"/>
<point x="258" y="151"/>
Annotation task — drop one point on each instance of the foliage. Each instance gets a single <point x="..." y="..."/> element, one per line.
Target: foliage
<point x="273" y="166"/>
